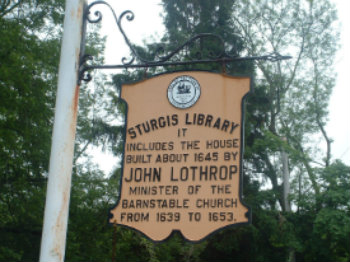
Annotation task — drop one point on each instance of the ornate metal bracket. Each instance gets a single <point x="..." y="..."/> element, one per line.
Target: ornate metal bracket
<point x="179" y="56"/>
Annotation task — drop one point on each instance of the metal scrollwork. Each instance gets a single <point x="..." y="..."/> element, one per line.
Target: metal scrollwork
<point x="185" y="54"/>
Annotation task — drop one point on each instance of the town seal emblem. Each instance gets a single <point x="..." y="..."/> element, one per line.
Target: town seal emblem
<point x="184" y="92"/>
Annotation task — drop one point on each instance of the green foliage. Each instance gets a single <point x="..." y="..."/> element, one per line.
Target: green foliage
<point x="28" y="73"/>
<point x="290" y="100"/>
<point x="89" y="237"/>
<point x="331" y="224"/>
<point x="184" y="19"/>
<point x="29" y="50"/>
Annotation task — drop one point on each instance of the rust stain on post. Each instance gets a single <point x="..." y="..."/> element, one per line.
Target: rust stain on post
<point x="77" y="58"/>
<point x="57" y="251"/>
<point x="72" y="14"/>
<point x="80" y="10"/>
<point x="76" y="100"/>
<point x="74" y="108"/>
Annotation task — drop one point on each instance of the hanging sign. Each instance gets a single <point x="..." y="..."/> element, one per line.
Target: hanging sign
<point x="182" y="155"/>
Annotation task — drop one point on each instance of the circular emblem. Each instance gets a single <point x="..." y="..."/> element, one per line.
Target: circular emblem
<point x="184" y="91"/>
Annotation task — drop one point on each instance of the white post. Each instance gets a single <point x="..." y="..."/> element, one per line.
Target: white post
<point x="53" y="240"/>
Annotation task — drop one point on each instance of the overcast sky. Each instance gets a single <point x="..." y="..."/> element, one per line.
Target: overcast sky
<point x="147" y="15"/>
<point x="339" y="124"/>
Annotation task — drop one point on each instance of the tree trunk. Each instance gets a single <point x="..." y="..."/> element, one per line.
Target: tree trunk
<point x="286" y="190"/>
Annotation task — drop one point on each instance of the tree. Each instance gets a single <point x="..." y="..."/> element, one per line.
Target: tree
<point x="297" y="93"/>
<point x="184" y="19"/>
<point x="300" y="87"/>
<point x="29" y="51"/>
<point x="28" y="73"/>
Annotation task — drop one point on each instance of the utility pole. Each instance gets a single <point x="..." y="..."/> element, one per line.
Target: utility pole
<point x="54" y="233"/>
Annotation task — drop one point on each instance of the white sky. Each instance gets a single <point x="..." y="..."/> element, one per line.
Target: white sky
<point x="147" y="23"/>
<point x="339" y="124"/>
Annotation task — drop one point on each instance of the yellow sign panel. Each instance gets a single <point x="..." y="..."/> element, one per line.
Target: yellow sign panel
<point x="182" y="155"/>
